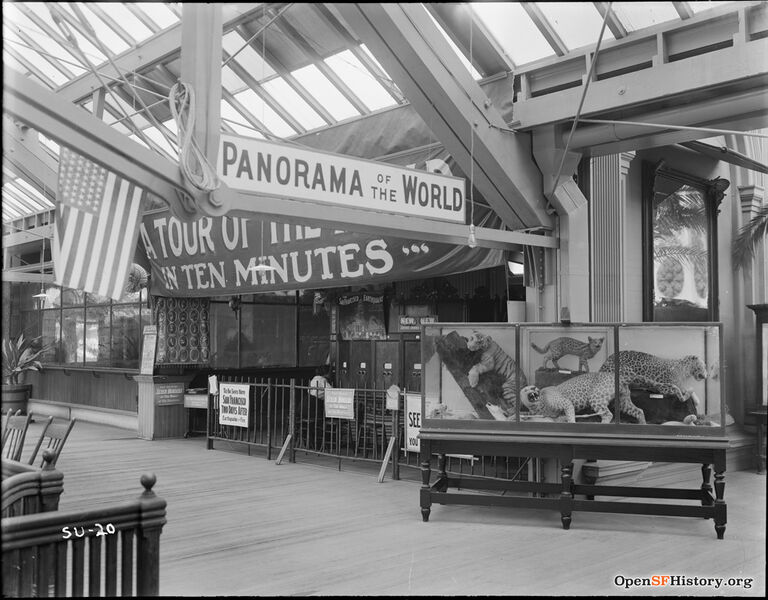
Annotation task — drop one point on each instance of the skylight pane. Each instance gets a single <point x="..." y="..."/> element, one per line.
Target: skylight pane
<point x="128" y="21"/>
<point x="138" y="140"/>
<point x="19" y="20"/>
<point x="159" y="13"/>
<point x="293" y="103"/>
<point x="360" y="80"/>
<point x="104" y="32"/>
<point x="138" y="120"/>
<point x="577" y="23"/>
<point x="272" y="121"/>
<point x="231" y="82"/>
<point x="247" y="57"/>
<point x="326" y="93"/>
<point x="698" y="7"/>
<point x="514" y="31"/>
<point x="156" y="136"/>
<point x="238" y="122"/>
<point x="49" y="142"/>
<point x="34" y="58"/>
<point x="638" y="15"/>
<point x="464" y="60"/>
<point x="35" y="198"/>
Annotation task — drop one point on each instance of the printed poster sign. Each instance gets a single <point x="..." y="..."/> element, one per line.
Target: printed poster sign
<point x="148" y="348"/>
<point x="340" y="403"/>
<point x="169" y="393"/>
<point x="277" y="169"/>
<point x="234" y="404"/>
<point x="361" y="317"/>
<point x="412" y="422"/>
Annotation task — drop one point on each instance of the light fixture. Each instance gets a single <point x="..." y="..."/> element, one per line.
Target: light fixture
<point x="472" y="240"/>
<point x="262" y="266"/>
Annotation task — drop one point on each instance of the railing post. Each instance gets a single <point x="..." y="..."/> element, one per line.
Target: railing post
<point x="209" y="420"/>
<point x="51" y="484"/>
<point x="151" y="521"/>
<point x="292" y="421"/>
<point x="270" y="418"/>
<point x="396" y="434"/>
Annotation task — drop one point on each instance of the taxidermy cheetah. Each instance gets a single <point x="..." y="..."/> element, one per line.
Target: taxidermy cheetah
<point x="664" y="375"/>
<point x="590" y="390"/>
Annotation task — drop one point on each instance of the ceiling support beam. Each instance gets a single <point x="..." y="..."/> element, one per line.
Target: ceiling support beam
<point x="70" y="125"/>
<point x="158" y="48"/>
<point x="28" y="159"/>
<point x="407" y="43"/>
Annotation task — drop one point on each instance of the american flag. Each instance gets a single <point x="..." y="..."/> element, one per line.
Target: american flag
<point x="97" y="225"/>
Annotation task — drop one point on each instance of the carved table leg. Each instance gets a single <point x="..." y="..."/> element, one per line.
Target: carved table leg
<point x="720" y="506"/>
<point x="706" y="488"/>
<point x="566" y="495"/>
<point x="424" y="496"/>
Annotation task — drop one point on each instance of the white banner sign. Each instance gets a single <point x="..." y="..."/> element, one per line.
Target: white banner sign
<point x="276" y="169"/>
<point x="412" y="422"/>
<point x="234" y="404"/>
<point x="340" y="403"/>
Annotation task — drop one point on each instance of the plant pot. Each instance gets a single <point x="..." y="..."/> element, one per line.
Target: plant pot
<point x="15" y="397"/>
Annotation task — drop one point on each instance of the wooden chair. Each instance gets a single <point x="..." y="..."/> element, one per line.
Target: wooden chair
<point x="55" y="434"/>
<point x="14" y="432"/>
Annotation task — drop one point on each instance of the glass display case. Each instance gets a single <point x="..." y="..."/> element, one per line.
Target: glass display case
<point x="554" y="377"/>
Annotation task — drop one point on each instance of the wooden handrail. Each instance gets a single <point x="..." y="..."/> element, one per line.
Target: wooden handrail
<point x="28" y="490"/>
<point x="36" y="548"/>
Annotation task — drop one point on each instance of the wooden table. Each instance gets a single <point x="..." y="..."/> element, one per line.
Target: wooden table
<point x="707" y="451"/>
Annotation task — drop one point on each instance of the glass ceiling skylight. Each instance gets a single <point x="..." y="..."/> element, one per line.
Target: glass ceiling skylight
<point x="306" y="71"/>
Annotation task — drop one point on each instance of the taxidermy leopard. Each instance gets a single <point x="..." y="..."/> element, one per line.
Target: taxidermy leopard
<point x="561" y="346"/>
<point x="664" y="375"/>
<point x="590" y="390"/>
<point x="494" y="359"/>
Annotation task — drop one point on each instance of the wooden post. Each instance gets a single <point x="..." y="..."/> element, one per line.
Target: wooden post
<point x="291" y="421"/>
<point x="151" y="521"/>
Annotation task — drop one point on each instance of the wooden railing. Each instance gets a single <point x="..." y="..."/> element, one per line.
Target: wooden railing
<point x="27" y="490"/>
<point x="60" y="553"/>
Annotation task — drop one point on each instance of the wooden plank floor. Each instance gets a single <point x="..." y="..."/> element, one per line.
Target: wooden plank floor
<point x="242" y="525"/>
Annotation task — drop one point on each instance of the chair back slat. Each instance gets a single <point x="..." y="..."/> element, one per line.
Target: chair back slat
<point x="14" y="432"/>
<point x="52" y="438"/>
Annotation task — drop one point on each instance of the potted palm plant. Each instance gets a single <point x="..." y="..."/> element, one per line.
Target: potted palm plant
<point x="20" y="355"/>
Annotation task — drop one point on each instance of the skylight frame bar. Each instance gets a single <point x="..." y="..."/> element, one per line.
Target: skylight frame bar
<point x="294" y="103"/>
<point x="143" y="17"/>
<point x="83" y="31"/>
<point x="256" y="88"/>
<point x="683" y="10"/>
<point x="12" y="208"/>
<point x="23" y="199"/>
<point x="545" y="27"/>
<point x="54" y="35"/>
<point x="319" y="62"/>
<point x="110" y="22"/>
<point x="370" y="91"/>
<point x="37" y="197"/>
<point x="243" y="110"/>
<point x="31" y="67"/>
<point x="280" y="70"/>
<point x="614" y="24"/>
<point x="354" y="45"/>
<point x="249" y="117"/>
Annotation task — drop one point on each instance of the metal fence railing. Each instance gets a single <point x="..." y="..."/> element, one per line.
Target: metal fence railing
<point x="278" y="408"/>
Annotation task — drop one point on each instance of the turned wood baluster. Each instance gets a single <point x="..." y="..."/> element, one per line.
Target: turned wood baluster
<point x="720" y="507"/>
<point x="424" y="497"/>
<point x="706" y="487"/>
<point x="566" y="494"/>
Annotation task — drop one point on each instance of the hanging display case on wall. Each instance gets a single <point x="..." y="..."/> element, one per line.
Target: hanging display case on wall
<point x="551" y="378"/>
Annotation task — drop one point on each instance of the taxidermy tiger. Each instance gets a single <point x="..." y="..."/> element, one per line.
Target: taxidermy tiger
<point x="664" y="375"/>
<point x="494" y="359"/>
<point x="590" y="390"/>
<point x="562" y="346"/>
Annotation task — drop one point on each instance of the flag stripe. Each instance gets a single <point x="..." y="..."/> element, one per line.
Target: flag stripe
<point x="100" y="235"/>
<point x="116" y="211"/>
<point x="96" y="228"/>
